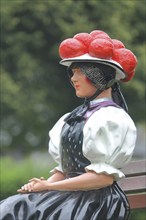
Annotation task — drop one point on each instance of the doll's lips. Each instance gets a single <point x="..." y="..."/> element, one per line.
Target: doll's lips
<point x="76" y="86"/>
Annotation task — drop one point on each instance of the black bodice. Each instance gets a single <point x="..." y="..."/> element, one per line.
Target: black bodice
<point x="73" y="160"/>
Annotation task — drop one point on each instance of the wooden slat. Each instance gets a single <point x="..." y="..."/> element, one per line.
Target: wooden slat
<point x="135" y="168"/>
<point x="137" y="201"/>
<point x="133" y="184"/>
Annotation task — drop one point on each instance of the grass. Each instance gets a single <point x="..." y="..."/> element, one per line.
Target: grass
<point x="14" y="173"/>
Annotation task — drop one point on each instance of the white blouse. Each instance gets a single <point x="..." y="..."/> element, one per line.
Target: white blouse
<point x="108" y="143"/>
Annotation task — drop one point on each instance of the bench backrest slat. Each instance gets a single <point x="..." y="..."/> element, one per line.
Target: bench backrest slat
<point x="134" y="184"/>
<point x="135" y="168"/>
<point x="137" y="201"/>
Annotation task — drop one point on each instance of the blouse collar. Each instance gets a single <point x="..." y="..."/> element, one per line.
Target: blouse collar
<point x="95" y="101"/>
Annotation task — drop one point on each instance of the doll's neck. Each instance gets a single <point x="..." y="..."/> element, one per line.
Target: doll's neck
<point x="105" y="94"/>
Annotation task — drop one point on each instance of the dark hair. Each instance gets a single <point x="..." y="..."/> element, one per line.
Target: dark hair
<point x="101" y="75"/>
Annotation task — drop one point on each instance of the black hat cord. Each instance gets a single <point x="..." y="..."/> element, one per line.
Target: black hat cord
<point x="118" y="97"/>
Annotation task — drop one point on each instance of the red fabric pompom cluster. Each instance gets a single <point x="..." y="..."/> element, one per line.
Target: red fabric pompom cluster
<point x="99" y="44"/>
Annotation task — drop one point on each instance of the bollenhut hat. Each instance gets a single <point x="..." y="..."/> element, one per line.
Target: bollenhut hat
<point x="98" y="47"/>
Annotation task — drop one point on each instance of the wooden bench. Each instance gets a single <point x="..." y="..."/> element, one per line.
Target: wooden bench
<point x="134" y="184"/>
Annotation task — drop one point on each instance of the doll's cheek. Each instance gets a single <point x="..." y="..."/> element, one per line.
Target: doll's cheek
<point x="88" y="80"/>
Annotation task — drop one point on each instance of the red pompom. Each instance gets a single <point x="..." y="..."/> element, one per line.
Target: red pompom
<point x="125" y="58"/>
<point x="129" y="76"/>
<point x="117" y="44"/>
<point x="84" y="38"/>
<point x="99" y="34"/>
<point x="101" y="48"/>
<point x="71" y="48"/>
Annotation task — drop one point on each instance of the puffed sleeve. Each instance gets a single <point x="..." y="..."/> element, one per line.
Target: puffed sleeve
<point x="109" y="141"/>
<point x="54" y="143"/>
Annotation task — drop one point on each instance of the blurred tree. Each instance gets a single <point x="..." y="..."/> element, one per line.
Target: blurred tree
<point x="35" y="90"/>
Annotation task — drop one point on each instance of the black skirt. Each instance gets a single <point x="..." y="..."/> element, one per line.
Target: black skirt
<point x="108" y="203"/>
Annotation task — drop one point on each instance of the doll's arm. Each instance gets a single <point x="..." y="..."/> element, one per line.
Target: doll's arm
<point x="86" y="181"/>
<point x="57" y="176"/>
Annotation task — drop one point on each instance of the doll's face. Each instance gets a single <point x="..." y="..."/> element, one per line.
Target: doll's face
<point x="83" y="86"/>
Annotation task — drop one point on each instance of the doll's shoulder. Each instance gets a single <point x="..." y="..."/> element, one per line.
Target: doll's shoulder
<point x="110" y="115"/>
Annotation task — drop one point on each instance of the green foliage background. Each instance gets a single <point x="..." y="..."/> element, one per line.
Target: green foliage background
<point x="35" y="90"/>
